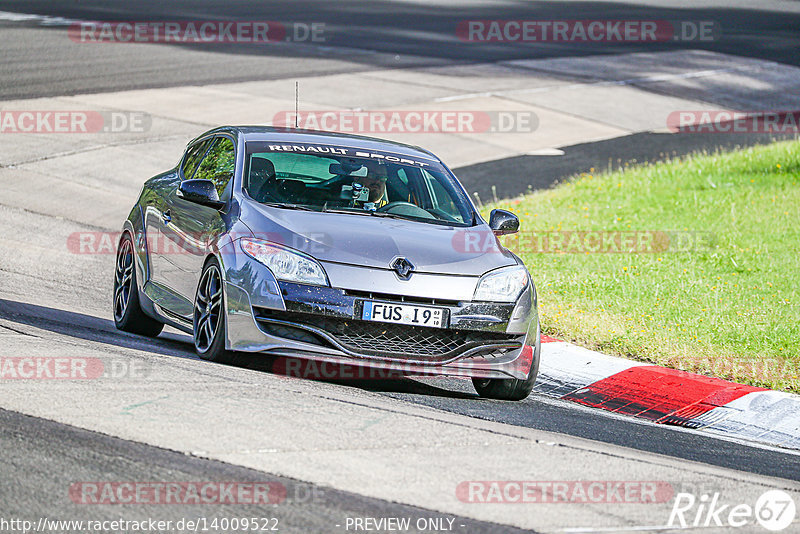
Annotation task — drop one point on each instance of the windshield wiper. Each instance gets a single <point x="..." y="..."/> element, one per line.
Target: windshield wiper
<point x="284" y="205"/>
<point x="382" y="214"/>
<point x="367" y="212"/>
<point x="391" y="215"/>
<point x="325" y="209"/>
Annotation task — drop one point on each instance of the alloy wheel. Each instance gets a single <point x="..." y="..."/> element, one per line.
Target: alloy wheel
<point x="123" y="279"/>
<point x="207" y="308"/>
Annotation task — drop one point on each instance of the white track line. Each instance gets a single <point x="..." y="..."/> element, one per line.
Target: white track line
<point x="43" y="20"/>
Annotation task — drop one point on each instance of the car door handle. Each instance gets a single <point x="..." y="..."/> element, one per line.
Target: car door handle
<point x="166" y="217"/>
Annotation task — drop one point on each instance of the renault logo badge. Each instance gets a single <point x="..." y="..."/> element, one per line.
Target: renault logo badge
<point x="403" y="268"/>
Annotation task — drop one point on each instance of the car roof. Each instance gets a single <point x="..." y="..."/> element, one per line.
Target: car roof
<point x="297" y="135"/>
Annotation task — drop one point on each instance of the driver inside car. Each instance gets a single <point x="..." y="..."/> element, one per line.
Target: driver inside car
<point x="375" y="181"/>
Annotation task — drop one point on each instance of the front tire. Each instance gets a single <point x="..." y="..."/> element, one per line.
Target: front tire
<point x="128" y="314"/>
<point x="512" y="389"/>
<point x="209" y="316"/>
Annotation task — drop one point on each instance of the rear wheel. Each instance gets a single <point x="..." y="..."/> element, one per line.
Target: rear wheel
<point x="128" y="314"/>
<point x="209" y="316"/>
<point x="512" y="389"/>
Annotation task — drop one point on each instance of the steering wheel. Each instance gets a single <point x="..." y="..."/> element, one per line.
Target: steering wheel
<point x="396" y="203"/>
<point x="401" y="207"/>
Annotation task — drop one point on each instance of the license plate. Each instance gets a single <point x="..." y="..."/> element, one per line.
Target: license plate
<point x="385" y="312"/>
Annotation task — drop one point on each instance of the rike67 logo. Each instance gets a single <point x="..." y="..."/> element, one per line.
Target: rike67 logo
<point x="774" y="510"/>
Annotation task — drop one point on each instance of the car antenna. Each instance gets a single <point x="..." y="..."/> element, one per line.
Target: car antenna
<point x="296" y="104"/>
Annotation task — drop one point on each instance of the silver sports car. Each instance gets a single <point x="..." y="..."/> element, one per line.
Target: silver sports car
<point x="329" y="247"/>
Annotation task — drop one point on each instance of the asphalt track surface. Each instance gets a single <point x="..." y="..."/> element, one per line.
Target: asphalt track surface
<point x="89" y="456"/>
<point x="38" y="62"/>
<point x="358" y="34"/>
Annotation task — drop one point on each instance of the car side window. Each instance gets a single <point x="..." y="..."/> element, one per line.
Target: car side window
<point x="192" y="158"/>
<point x="440" y="198"/>
<point x="218" y="165"/>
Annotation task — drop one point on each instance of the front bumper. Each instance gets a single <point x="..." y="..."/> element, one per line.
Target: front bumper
<point x="484" y="340"/>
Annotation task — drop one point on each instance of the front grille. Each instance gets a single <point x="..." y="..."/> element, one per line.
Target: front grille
<point x="369" y="295"/>
<point x="392" y="340"/>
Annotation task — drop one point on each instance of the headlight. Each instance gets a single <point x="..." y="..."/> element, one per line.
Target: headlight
<point x="285" y="263"/>
<point x="502" y="285"/>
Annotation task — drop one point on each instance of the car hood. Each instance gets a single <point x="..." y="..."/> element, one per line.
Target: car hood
<point x="376" y="242"/>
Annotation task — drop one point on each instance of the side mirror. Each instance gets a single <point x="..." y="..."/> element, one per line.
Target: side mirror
<point x="200" y="192"/>
<point x="503" y="222"/>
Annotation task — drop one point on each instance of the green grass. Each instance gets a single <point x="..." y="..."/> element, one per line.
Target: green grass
<point x="728" y="307"/>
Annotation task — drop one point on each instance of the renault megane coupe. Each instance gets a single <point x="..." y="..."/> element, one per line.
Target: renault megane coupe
<point x="332" y="247"/>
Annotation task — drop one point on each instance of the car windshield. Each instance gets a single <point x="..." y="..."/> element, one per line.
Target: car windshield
<point x="342" y="179"/>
